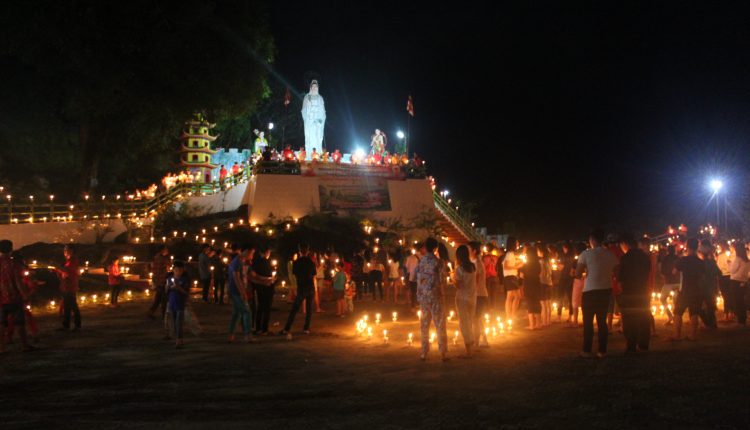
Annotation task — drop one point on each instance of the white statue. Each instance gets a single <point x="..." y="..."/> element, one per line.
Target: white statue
<point x="314" y="116"/>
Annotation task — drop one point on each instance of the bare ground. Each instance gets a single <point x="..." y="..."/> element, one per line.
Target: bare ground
<point x="118" y="373"/>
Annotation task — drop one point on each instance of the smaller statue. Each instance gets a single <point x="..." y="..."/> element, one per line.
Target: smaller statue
<point x="378" y="143"/>
<point x="260" y="142"/>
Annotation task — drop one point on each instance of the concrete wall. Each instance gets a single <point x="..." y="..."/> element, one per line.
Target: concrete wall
<point x="297" y="196"/>
<point x="221" y="202"/>
<point x="60" y="232"/>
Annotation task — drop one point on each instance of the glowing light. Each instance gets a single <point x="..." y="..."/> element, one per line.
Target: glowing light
<point x="716" y="185"/>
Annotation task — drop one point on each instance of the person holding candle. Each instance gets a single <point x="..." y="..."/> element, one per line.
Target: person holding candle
<point x="691" y="294"/>
<point x="159" y="269"/>
<point x="431" y="273"/>
<point x="238" y="295"/>
<point x="531" y="286"/>
<point x="710" y="285"/>
<point x="724" y="260"/>
<point x="393" y="277"/>
<point x="178" y="293"/>
<point x="204" y="270"/>
<point x="304" y="271"/>
<point x="482" y="303"/>
<point x="115" y="278"/>
<point x="69" y="275"/>
<point x="599" y="264"/>
<point x="489" y="261"/>
<point x="738" y="275"/>
<point x="12" y="292"/>
<point x="412" y="261"/>
<point x="671" y="279"/>
<point x="465" y="276"/>
<point x="632" y="276"/>
<point x="567" y="266"/>
<point x="262" y="277"/>
<point x="218" y="261"/>
<point x="545" y="281"/>
<point x="511" y="264"/>
<point x="339" y="289"/>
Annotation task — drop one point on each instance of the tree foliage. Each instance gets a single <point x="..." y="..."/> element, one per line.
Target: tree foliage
<point x="92" y="89"/>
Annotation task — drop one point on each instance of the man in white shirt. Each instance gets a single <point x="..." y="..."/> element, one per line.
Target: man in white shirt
<point x="599" y="264"/>
<point x="482" y="305"/>
<point x="412" y="261"/>
<point x="511" y="264"/>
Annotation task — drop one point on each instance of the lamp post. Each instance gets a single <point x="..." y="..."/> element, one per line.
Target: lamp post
<point x="716" y="185"/>
<point x="400" y="134"/>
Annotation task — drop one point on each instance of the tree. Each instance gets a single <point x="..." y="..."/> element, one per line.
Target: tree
<point x="107" y="85"/>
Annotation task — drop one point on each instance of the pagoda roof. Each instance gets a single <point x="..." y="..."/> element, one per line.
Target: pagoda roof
<point x="185" y="136"/>
<point x="184" y="163"/>
<point x="184" y="148"/>
<point x="200" y="123"/>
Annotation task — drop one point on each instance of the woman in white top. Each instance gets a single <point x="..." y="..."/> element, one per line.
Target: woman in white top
<point x="466" y="296"/>
<point x="739" y="272"/>
<point x="393" y="278"/>
<point x="511" y="264"/>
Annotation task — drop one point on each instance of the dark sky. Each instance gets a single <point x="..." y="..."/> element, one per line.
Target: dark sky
<point x="553" y="116"/>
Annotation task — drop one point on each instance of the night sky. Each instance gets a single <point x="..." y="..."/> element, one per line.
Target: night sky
<point x="552" y="116"/>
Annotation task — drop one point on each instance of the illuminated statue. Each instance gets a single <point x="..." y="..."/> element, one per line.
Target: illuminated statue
<point x="314" y="116"/>
<point x="378" y="143"/>
<point x="260" y="142"/>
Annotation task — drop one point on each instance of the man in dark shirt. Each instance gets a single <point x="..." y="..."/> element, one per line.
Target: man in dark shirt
<point x="304" y="271"/>
<point x="671" y="279"/>
<point x="632" y="275"/>
<point x="262" y="267"/>
<point x="693" y="278"/>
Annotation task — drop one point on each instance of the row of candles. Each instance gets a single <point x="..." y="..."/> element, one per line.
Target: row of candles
<point x="365" y="329"/>
<point x="95" y="299"/>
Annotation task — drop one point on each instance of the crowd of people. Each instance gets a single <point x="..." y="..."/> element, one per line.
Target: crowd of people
<point x="596" y="280"/>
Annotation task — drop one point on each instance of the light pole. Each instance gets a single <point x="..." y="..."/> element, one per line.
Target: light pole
<point x="716" y="185"/>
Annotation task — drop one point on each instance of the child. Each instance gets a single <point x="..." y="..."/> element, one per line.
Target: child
<point x="349" y="293"/>
<point x="178" y="292"/>
<point x="339" y="289"/>
<point x="114" y="279"/>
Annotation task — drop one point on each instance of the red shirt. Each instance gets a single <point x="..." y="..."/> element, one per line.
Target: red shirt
<point x="114" y="275"/>
<point x="10" y="281"/>
<point x="223" y="173"/>
<point x="69" y="274"/>
<point x="490" y="266"/>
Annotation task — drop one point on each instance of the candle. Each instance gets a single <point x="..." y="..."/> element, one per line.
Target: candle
<point x="369" y="333"/>
<point x="385" y="337"/>
<point x="510" y="325"/>
<point x="93" y="298"/>
<point x="450" y="315"/>
<point x="419" y="315"/>
<point x="411" y="339"/>
<point x="365" y="318"/>
<point x="455" y="338"/>
<point x="395" y="316"/>
<point x="487" y="318"/>
<point x="377" y="318"/>
<point x="432" y="337"/>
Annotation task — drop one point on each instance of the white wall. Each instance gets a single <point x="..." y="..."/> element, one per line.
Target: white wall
<point x="58" y="232"/>
<point x="297" y="196"/>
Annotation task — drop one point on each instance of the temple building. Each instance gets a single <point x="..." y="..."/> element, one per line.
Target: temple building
<point x="195" y="150"/>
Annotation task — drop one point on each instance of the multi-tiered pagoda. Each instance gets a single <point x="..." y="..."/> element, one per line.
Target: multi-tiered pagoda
<point x="196" y="149"/>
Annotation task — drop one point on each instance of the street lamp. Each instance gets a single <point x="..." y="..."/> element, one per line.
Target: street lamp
<point x="400" y="134"/>
<point x="716" y="185"/>
<point x="270" y="126"/>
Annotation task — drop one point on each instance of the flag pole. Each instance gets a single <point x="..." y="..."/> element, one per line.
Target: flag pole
<point x="408" y="130"/>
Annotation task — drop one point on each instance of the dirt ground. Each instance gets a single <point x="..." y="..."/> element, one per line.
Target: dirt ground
<point x="119" y="373"/>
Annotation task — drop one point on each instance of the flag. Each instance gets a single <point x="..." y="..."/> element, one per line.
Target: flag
<point x="287" y="98"/>
<point x="410" y="106"/>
